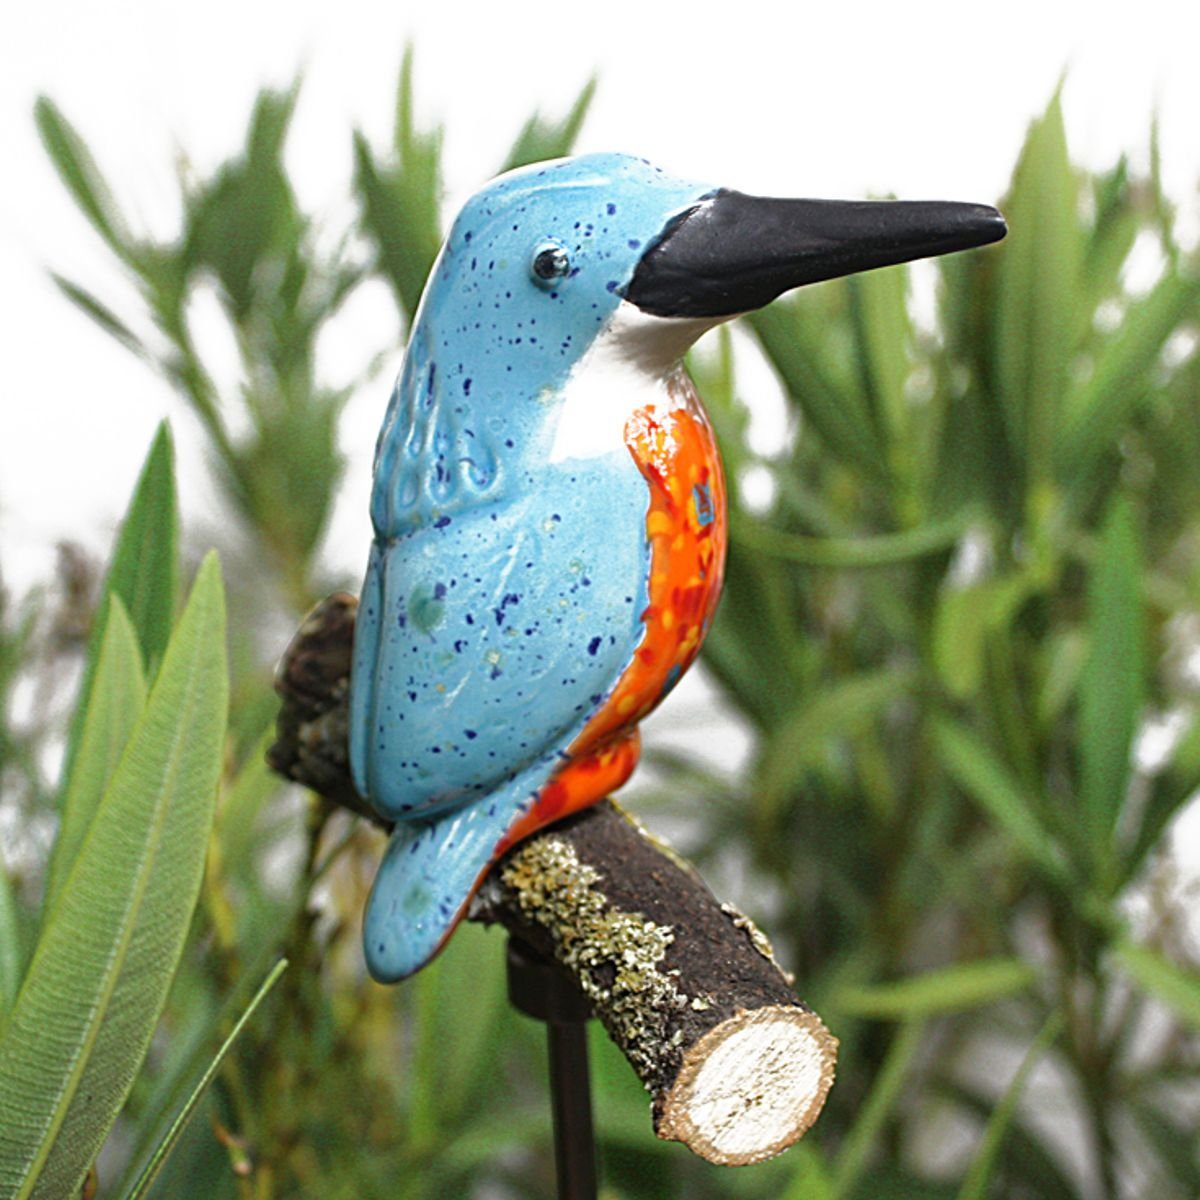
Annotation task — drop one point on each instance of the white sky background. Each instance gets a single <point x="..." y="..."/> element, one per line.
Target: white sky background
<point x="921" y="99"/>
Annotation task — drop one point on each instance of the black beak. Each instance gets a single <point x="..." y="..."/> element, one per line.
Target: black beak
<point x="732" y="253"/>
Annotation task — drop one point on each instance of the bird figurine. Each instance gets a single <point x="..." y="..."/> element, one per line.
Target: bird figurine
<point x="548" y="502"/>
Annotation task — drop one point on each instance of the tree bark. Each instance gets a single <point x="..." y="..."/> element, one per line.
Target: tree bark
<point x="736" y="1066"/>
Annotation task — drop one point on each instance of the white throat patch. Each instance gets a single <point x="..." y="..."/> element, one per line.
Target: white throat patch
<point x="625" y="368"/>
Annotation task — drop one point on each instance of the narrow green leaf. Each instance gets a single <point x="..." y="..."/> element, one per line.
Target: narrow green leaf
<point x="810" y="1180"/>
<point x="756" y="629"/>
<point x="950" y="989"/>
<point x="869" y="1121"/>
<point x="1174" y="1142"/>
<point x="144" y="569"/>
<point x="112" y="707"/>
<point x="82" y="177"/>
<point x="401" y="202"/>
<point x="143" y="572"/>
<point x="988" y="782"/>
<point x="1113" y="680"/>
<point x="1039" y="268"/>
<point x="879" y="306"/>
<point x="877" y="550"/>
<point x="238" y="812"/>
<point x="457" y="1044"/>
<point x="974" y="1186"/>
<point x="164" y="1148"/>
<point x="542" y="139"/>
<point x="795" y="334"/>
<point x="965" y="618"/>
<point x="1125" y="374"/>
<point x="842" y="709"/>
<point x="145" y="566"/>
<point x="1176" y="986"/>
<point x="1164" y="209"/>
<point x="1063" y="657"/>
<point x="1030" y="1161"/>
<point x="1113" y="234"/>
<point x="100" y="313"/>
<point x="99" y="975"/>
<point x="11" y="956"/>
<point x="1169" y="792"/>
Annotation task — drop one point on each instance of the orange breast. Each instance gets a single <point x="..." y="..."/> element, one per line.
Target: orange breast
<point x="686" y="526"/>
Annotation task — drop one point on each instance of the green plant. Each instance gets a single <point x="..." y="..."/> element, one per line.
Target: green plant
<point x="971" y="589"/>
<point x="135" y="817"/>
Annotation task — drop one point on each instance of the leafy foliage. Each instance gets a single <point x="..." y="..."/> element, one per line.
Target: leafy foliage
<point x="970" y="590"/>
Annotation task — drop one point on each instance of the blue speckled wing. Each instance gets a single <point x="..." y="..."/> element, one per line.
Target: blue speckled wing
<point x="428" y="874"/>
<point x="434" y="458"/>
<point x="487" y="639"/>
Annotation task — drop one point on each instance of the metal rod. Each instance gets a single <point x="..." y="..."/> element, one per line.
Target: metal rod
<point x="571" y="1102"/>
<point x="539" y="988"/>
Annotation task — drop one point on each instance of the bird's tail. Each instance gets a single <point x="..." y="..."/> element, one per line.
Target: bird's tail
<point x="429" y="873"/>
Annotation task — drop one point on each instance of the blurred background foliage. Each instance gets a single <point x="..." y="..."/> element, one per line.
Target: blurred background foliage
<point x="962" y="620"/>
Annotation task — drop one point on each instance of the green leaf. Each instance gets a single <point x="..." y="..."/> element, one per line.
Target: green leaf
<point x="1175" y="1145"/>
<point x="988" y="782"/>
<point x="795" y="336"/>
<point x="966" y="617"/>
<point x="143" y="573"/>
<point x="879" y="305"/>
<point x="10" y="945"/>
<point x="1030" y="1160"/>
<point x="1113" y="680"/>
<point x="1063" y="657"/>
<point x="145" y="569"/>
<point x="810" y="1180"/>
<point x="237" y="814"/>
<point x="1037" y="287"/>
<point x="244" y="225"/>
<point x="872" y="1116"/>
<point x="112" y="707"/>
<point x="756" y="630"/>
<point x="100" y="313"/>
<point x="879" y="550"/>
<point x="401" y="203"/>
<point x="1169" y="792"/>
<point x="1176" y="986"/>
<point x="843" y="709"/>
<point x="950" y="989"/>
<point x="1113" y="234"/>
<point x="164" y="1148"/>
<point x="82" y="177"/>
<point x="541" y="139"/>
<point x="1124" y="376"/>
<point x="461" y="999"/>
<point x="108" y="948"/>
<point x="974" y="1186"/>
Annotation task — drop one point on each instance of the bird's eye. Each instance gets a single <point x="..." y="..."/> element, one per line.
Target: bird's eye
<point x="550" y="264"/>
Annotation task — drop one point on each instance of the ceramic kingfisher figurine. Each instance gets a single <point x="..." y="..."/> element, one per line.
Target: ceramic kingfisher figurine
<point x="548" y="503"/>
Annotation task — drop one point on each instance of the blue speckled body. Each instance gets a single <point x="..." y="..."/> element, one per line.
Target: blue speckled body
<point x="507" y="583"/>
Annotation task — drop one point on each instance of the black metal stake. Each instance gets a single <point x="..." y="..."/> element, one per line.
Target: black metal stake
<point x="540" y="988"/>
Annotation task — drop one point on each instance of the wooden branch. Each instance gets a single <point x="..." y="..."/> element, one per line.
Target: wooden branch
<point x="737" y="1067"/>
